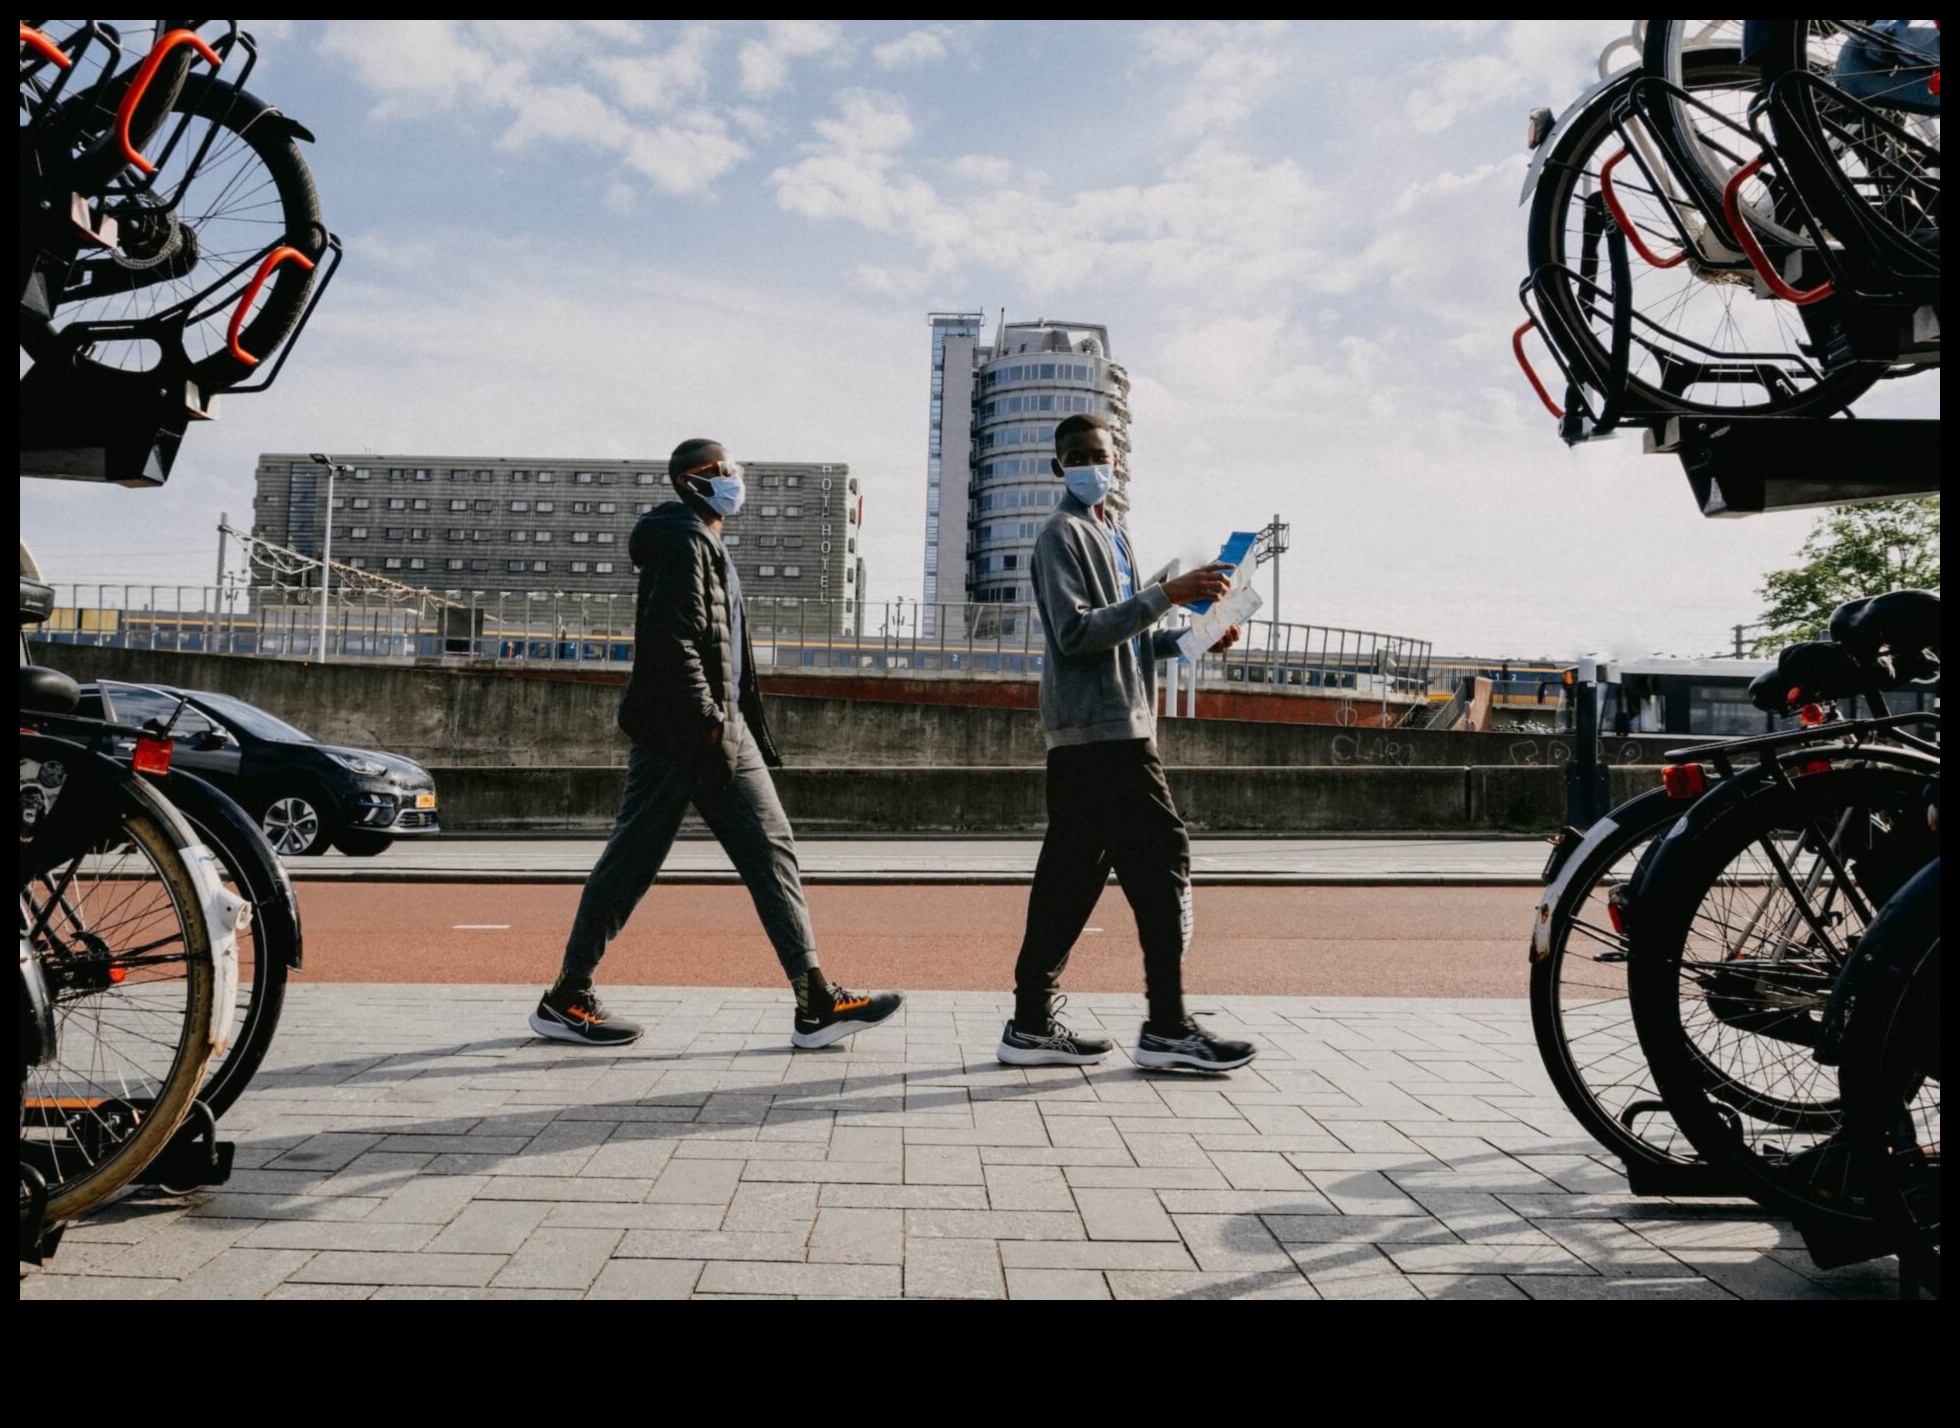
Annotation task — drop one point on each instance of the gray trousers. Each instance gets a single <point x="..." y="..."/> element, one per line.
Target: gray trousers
<point x="744" y="815"/>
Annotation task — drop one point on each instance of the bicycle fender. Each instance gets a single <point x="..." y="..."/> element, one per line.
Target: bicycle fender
<point x="282" y="123"/>
<point x="1541" y="925"/>
<point x="225" y="914"/>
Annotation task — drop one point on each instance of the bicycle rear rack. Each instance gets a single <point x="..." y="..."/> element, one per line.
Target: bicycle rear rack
<point x="1742" y="466"/>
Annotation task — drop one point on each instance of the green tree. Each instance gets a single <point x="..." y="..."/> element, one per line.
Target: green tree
<point x="1852" y="551"/>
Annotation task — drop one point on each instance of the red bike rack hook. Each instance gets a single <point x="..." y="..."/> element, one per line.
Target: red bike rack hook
<point x="1647" y="255"/>
<point x="1752" y="248"/>
<point x="1517" y="350"/>
<point x="139" y="86"/>
<point x="45" y="47"/>
<point x="282" y="254"/>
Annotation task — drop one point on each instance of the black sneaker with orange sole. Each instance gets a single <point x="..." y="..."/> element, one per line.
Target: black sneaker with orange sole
<point x="575" y="1014"/>
<point x="835" y="1014"/>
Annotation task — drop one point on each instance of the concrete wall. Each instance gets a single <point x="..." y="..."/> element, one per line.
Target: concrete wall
<point x="507" y="718"/>
<point x="517" y="752"/>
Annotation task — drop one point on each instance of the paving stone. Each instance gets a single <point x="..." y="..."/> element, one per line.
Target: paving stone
<point x="858" y="1237"/>
<point x="1231" y="1243"/>
<point x="1485" y="1259"/>
<point x="953" y="1269"/>
<point x="1358" y="1229"/>
<point x="1094" y="1254"/>
<point x="1378" y="1286"/>
<point x="1364" y="1192"/>
<point x="903" y="1197"/>
<point x="433" y="1200"/>
<point x="369" y="1267"/>
<point x="1466" y="1286"/>
<point x="488" y="1227"/>
<point x="1056" y="1284"/>
<point x="556" y="1258"/>
<point x="1553" y="1286"/>
<point x="761" y="1205"/>
<point x="282" y="1207"/>
<point x="711" y="1245"/>
<point x="646" y="1279"/>
<point x="818" y="1172"/>
<point x="1028" y="1187"/>
<point x="852" y="1281"/>
<point x="993" y="1225"/>
<point x="943" y="1165"/>
<point x="1123" y="1215"/>
<point x="696" y="1182"/>
<point x="1255" y="1284"/>
<point x="241" y="1274"/>
<point x="611" y="1215"/>
<point x="368" y="1234"/>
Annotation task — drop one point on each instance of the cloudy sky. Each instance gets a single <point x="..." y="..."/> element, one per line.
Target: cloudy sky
<point x="597" y="239"/>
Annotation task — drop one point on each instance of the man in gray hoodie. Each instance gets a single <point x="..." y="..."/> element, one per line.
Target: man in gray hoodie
<point x="1108" y="803"/>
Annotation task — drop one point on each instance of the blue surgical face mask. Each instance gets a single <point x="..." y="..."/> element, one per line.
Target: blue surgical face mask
<point x="1089" y="484"/>
<point x="724" y="491"/>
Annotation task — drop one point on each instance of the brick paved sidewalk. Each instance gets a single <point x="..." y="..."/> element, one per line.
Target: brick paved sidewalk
<point x="409" y="1142"/>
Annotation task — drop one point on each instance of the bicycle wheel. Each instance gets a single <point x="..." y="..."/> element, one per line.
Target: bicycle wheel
<point x="1741" y="929"/>
<point x="1890" y="1071"/>
<point x="117" y="926"/>
<point x="1853" y="166"/>
<point x="1698" y="346"/>
<point x="268" y="947"/>
<point x="1580" y="1013"/>
<point x="1709" y="151"/>
<point x="201" y="224"/>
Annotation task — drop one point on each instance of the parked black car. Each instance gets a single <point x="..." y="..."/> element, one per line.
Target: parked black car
<point x="305" y="794"/>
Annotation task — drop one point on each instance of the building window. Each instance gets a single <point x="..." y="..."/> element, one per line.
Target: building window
<point x="579" y="567"/>
<point x="520" y="535"/>
<point x="605" y="537"/>
<point x="540" y="567"/>
<point x="540" y="536"/>
<point x="396" y="533"/>
<point x="607" y="508"/>
<point x="515" y="567"/>
<point x="520" y="475"/>
<point x="479" y="564"/>
<point x="765" y="570"/>
<point x="359" y="532"/>
<point x="458" y="475"/>
<point x="642" y="507"/>
<point x="790" y="572"/>
<point x="520" y="505"/>
<point x="581" y="508"/>
<point x="393" y="562"/>
<point x="362" y="503"/>
<point x="582" y="478"/>
<point x="793" y="540"/>
<point x="792" y="510"/>
<point x="608" y="478"/>
<point x="459" y="505"/>
<point x="397" y="473"/>
<point x="359" y="562"/>
<point x="792" y="480"/>
<point x="768" y="510"/>
<point x="581" y="537"/>
<point x="338" y="502"/>
<point x="396" y="503"/>
<point x="418" y="532"/>
<point x="455" y="562"/>
<point x="643" y="478"/>
<point x="484" y="477"/>
<point x="416" y="562"/>
<point x="731" y="541"/>
<point x="458" y="533"/>
<point x="361" y="473"/>
<point x="765" y="540"/>
<point x="545" y="508"/>
<point x="545" y="478"/>
<point x="421" y="473"/>
<point x="421" y="503"/>
<point x="772" y="480"/>
<point x="604" y="567"/>
<point x="480" y="537"/>
<point x="481" y="505"/>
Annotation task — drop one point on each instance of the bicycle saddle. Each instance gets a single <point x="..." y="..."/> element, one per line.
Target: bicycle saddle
<point x="1814" y="672"/>
<point x="1896" y="634"/>
<point x="47" y="691"/>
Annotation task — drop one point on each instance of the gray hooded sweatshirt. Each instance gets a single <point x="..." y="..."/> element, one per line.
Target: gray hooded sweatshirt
<point x="1094" y="685"/>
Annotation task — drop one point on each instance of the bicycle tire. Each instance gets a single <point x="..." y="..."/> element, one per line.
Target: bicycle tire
<point x="261" y="129"/>
<point x="1576" y="156"/>
<point x="117" y="807"/>
<point x="271" y="941"/>
<point x="1572" y="1055"/>
<point x="1801" y="133"/>
<point x="1756" y="1149"/>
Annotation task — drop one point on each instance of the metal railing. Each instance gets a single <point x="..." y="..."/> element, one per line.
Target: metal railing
<point x="902" y="638"/>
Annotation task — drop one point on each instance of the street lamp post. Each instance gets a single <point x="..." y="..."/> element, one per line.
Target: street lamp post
<point x="326" y="548"/>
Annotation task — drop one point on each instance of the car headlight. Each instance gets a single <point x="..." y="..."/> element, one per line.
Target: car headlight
<point x="360" y="764"/>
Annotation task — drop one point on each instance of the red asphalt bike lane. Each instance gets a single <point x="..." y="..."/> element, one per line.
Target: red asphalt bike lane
<point x="1297" y="941"/>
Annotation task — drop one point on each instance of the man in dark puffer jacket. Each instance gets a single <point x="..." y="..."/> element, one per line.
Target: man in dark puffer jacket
<point x="694" y="712"/>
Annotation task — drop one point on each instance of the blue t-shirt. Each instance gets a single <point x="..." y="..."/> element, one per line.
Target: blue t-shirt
<point x="1126" y="578"/>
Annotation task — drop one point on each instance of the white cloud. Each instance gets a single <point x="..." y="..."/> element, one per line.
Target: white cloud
<point x="1233" y="65"/>
<point x="891" y="282"/>
<point x="910" y="50"/>
<point x="1521" y="60"/>
<point x="417" y="68"/>
<point x="765" y="63"/>
<point x="981" y="169"/>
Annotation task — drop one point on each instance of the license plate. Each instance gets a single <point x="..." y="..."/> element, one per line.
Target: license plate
<point x="425" y="800"/>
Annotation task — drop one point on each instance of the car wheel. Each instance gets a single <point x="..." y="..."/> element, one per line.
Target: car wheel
<point x="294" y="826"/>
<point x="356" y="844"/>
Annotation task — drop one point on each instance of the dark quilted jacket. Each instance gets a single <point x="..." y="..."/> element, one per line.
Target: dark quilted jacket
<point x="683" y="671"/>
